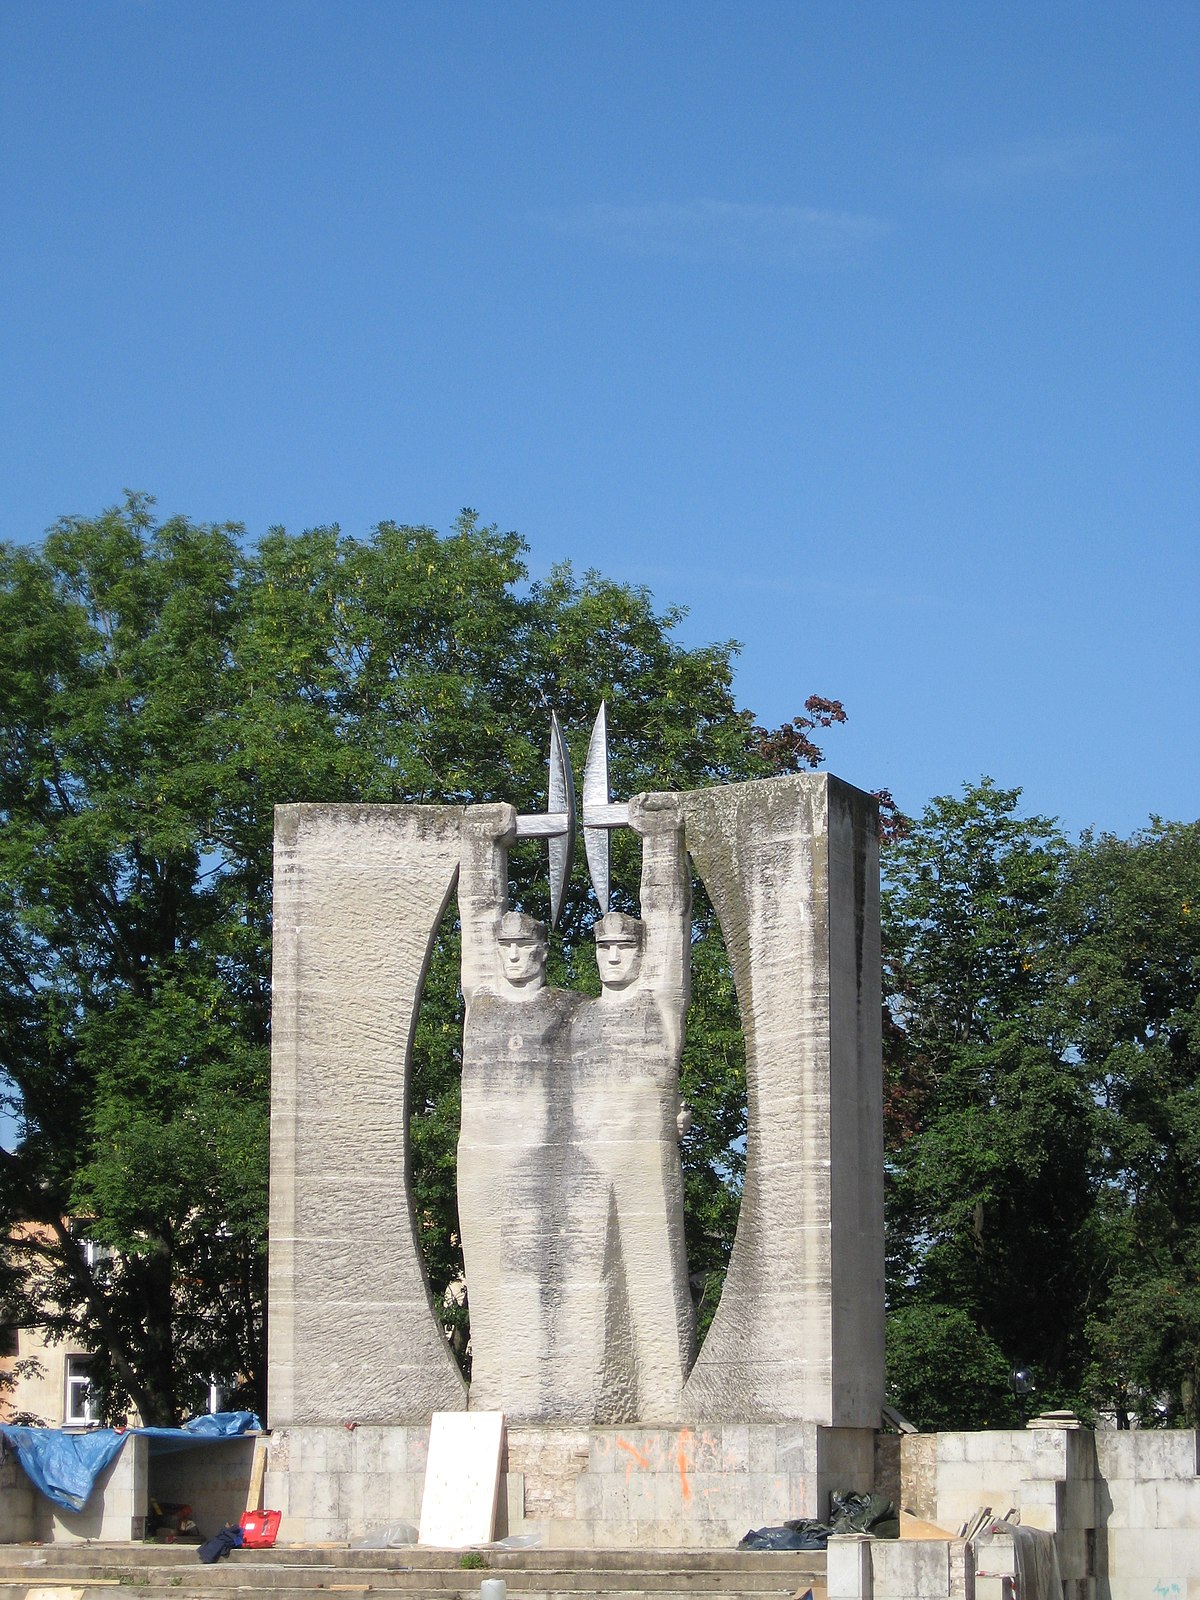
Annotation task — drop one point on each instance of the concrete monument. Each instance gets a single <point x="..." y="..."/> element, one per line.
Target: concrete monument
<point x="570" y="1194"/>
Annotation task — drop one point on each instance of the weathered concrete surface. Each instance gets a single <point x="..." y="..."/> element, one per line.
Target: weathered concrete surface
<point x="359" y="892"/>
<point x="791" y="866"/>
<point x="860" y="1568"/>
<point x="18" y="1501"/>
<point x="1148" y="1499"/>
<point x="295" y="1572"/>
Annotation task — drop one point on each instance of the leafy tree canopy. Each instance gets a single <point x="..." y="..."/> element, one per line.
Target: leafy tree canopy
<point x="1043" y="1109"/>
<point x="926" y="1343"/>
<point x="1130" y="917"/>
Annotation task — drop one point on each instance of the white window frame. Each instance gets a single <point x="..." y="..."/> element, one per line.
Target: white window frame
<point x="81" y="1409"/>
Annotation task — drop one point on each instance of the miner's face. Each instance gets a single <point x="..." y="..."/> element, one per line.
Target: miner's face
<point x="523" y="961"/>
<point x="619" y="960"/>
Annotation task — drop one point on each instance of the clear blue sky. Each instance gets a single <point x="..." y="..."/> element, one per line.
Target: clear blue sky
<point x="866" y="331"/>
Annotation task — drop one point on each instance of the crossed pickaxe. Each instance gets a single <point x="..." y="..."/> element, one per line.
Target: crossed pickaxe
<point x="557" y="823"/>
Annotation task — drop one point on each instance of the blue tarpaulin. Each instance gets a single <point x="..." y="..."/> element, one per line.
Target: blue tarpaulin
<point x="65" y="1466"/>
<point x="210" y="1429"/>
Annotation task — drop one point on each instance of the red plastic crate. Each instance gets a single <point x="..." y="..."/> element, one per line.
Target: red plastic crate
<point x="259" y="1529"/>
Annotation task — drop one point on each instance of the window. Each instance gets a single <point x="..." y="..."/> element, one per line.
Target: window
<point x="95" y="1255"/>
<point x="81" y="1405"/>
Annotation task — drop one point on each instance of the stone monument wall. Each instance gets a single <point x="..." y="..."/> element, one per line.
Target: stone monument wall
<point x="359" y="893"/>
<point x="782" y="1401"/>
<point x="792" y="867"/>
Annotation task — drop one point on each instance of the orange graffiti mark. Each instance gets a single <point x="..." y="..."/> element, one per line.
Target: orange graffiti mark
<point x="681" y="1460"/>
<point x="639" y="1460"/>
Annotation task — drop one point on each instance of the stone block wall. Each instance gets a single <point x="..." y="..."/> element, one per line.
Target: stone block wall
<point x="690" y="1488"/>
<point x="1029" y="1469"/>
<point x="599" y="1488"/>
<point x="1047" y="1474"/>
<point x="339" y="1483"/>
<point x="1124" y="1507"/>
<point x="1148" y="1496"/>
<point x="18" y="1497"/>
<point x="859" y="1568"/>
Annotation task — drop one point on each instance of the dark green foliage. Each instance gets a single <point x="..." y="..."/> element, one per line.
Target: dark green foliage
<point x="161" y="689"/>
<point x="1131" y="920"/>
<point x="945" y="1372"/>
<point x="713" y="1081"/>
<point x="1043" y="1097"/>
<point x="133" y="1037"/>
<point x="989" y="1189"/>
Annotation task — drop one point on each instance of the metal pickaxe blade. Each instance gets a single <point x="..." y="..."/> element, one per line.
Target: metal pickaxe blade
<point x="557" y="823"/>
<point x="600" y="815"/>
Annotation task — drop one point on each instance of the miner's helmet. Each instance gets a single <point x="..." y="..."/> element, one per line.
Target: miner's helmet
<point x="616" y="928"/>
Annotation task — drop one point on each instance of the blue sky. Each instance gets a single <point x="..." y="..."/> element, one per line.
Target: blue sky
<point x="865" y="331"/>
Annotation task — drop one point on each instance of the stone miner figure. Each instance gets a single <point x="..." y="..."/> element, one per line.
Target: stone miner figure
<point x="516" y="1043"/>
<point x="570" y="1192"/>
<point x="625" y="1049"/>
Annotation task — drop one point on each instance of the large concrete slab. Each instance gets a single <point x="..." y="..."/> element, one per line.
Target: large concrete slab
<point x="791" y="866"/>
<point x="359" y="893"/>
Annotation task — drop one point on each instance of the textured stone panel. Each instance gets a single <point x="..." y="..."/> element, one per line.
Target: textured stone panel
<point x="551" y="1461"/>
<point x="791" y="866"/>
<point x="359" y="893"/>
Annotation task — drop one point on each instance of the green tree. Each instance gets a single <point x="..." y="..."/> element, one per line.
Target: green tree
<point x="135" y="1070"/>
<point x="925" y="1343"/>
<point x="990" y="1190"/>
<point x="162" y="687"/>
<point x="1131" y="916"/>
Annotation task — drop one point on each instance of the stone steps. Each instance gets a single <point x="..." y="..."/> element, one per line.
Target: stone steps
<point x="154" y="1572"/>
<point x="276" y="1581"/>
<point x="194" y="1587"/>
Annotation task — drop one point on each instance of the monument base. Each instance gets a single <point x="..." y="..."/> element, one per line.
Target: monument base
<point x="693" y="1487"/>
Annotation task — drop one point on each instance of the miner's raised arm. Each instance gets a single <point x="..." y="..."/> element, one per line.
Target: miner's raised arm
<point x="666" y="896"/>
<point x="487" y="832"/>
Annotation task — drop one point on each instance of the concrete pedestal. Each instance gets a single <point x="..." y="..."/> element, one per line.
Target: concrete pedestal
<point x="598" y="1488"/>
